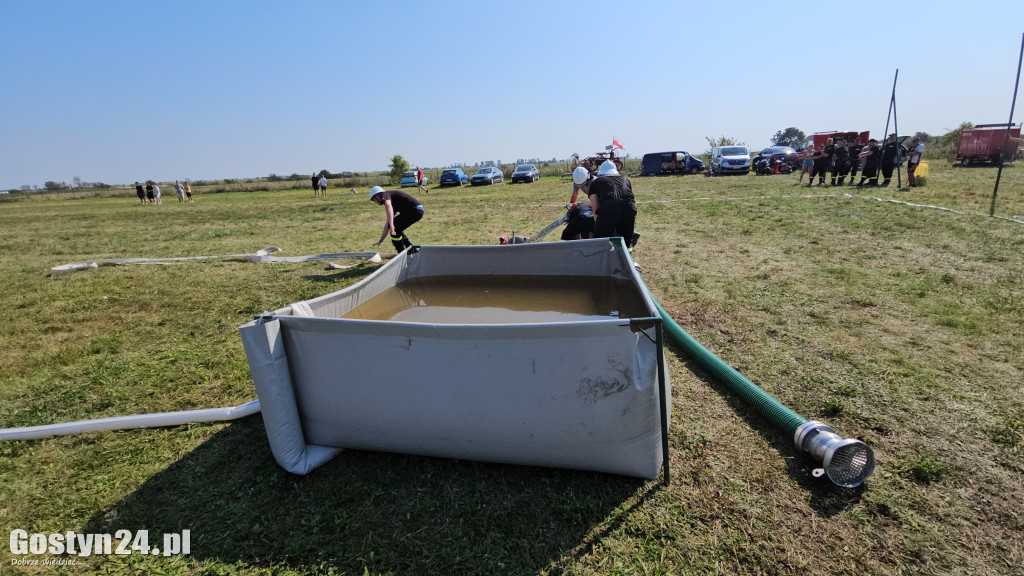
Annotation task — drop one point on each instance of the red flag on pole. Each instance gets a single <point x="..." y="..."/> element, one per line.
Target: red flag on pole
<point x="616" y="143"/>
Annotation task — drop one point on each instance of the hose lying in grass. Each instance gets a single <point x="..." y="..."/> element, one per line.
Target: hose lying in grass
<point x="848" y="463"/>
<point x="263" y="255"/>
<point x="131" y="422"/>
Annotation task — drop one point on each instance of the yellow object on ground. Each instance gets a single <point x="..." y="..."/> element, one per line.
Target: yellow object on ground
<point x="921" y="174"/>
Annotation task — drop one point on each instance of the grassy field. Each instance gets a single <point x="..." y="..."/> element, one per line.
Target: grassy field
<point x="900" y="325"/>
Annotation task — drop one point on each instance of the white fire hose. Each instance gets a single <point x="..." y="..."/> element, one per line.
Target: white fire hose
<point x="131" y="422"/>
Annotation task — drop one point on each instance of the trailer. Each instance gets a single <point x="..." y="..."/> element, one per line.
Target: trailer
<point x="985" y="144"/>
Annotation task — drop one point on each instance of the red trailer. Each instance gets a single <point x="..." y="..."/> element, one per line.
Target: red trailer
<point x="984" y="143"/>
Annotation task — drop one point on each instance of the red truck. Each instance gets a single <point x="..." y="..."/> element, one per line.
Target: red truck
<point x="984" y="143"/>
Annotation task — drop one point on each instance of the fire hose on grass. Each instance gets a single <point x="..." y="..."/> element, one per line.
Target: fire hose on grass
<point x="161" y="419"/>
<point x="847" y="462"/>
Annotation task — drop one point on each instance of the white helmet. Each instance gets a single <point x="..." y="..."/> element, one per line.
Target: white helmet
<point x="375" y="190"/>
<point x="580" y="175"/>
<point x="608" y="169"/>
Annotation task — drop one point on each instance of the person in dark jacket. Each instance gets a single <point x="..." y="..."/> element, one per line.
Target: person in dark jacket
<point x="821" y="163"/>
<point x="854" y="148"/>
<point x="872" y="157"/>
<point x="840" y="163"/>
<point x="890" y="152"/>
<point x="402" y="211"/>
<point x="316" y="185"/>
<point x="611" y="196"/>
<point x="581" y="222"/>
<point x="140" y="193"/>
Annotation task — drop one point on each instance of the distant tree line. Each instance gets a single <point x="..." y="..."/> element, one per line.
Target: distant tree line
<point x="300" y="177"/>
<point x="51" y="185"/>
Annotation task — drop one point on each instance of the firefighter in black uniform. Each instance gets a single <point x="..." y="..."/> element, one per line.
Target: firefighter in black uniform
<point x="840" y="162"/>
<point x="890" y="152"/>
<point x="611" y="196"/>
<point x="821" y="162"/>
<point x="872" y="156"/>
<point x="854" y="149"/>
<point x="580" y="223"/>
<point x="401" y="211"/>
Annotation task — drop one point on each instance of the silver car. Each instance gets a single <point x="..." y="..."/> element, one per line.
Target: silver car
<point x="726" y="159"/>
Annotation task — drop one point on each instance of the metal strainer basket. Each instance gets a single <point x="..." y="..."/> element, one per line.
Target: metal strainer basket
<point x="847" y="462"/>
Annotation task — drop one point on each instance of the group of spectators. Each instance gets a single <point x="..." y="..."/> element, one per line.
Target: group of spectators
<point x="319" y="185"/>
<point x="150" y="194"/>
<point x="842" y="159"/>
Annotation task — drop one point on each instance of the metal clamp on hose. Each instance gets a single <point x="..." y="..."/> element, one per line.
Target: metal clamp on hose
<point x="847" y="462"/>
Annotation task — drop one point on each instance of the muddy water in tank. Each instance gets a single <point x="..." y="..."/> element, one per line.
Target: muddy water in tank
<point x="503" y="300"/>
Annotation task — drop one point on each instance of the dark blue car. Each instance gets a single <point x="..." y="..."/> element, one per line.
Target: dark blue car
<point x="453" y="177"/>
<point x="678" y="162"/>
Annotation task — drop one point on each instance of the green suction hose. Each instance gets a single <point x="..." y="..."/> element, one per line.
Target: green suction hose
<point x="774" y="411"/>
<point x="848" y="462"/>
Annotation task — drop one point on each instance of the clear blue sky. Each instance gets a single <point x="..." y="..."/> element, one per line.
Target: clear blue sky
<point x="123" y="91"/>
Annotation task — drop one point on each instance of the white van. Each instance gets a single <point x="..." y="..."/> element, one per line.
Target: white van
<point x="730" y="159"/>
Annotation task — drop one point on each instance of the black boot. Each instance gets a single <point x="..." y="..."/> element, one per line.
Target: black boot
<point x="398" y="242"/>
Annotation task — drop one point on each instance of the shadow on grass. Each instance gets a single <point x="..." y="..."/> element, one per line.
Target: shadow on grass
<point x="827" y="499"/>
<point x="386" y="513"/>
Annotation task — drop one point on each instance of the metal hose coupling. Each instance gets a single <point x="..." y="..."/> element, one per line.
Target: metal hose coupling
<point x="847" y="462"/>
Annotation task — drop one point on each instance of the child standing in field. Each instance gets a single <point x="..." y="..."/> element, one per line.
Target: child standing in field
<point x="323" y="185"/>
<point x="188" y="191"/>
<point x="156" y="194"/>
<point x="180" y="191"/>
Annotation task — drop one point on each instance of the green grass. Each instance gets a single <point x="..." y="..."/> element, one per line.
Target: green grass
<point x="902" y="326"/>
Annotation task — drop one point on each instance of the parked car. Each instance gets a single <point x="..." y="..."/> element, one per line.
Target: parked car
<point x="776" y="160"/>
<point x="487" y="176"/>
<point x="453" y="177"/>
<point x="730" y="159"/>
<point x="677" y="162"/>
<point x="525" y="173"/>
<point x="409" y="179"/>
